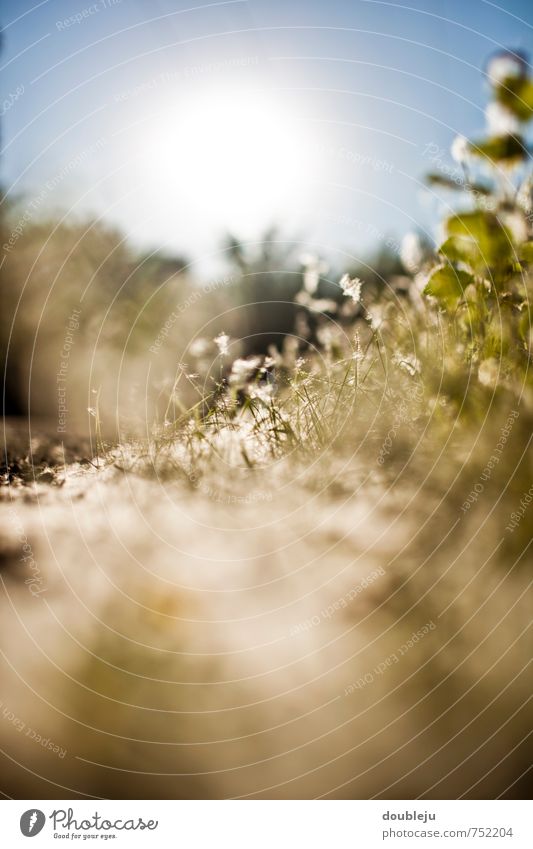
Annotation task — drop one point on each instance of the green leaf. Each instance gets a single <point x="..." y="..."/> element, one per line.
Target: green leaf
<point x="447" y="284"/>
<point x="480" y="239"/>
<point x="457" y="250"/>
<point x="500" y="149"/>
<point x="457" y="183"/>
<point x="516" y="94"/>
<point x="446" y="182"/>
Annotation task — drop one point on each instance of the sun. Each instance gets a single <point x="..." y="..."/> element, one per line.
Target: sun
<point x="236" y="159"/>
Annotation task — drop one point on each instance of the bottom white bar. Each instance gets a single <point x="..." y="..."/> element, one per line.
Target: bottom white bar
<point x="267" y="824"/>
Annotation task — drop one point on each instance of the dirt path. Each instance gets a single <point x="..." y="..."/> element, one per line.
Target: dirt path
<point x="163" y="640"/>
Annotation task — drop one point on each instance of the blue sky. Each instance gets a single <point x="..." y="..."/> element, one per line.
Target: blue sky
<point x="353" y="92"/>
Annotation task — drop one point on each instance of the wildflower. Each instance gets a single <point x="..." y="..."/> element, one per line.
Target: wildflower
<point x="411" y="252"/>
<point x="313" y="268"/>
<point x="375" y="316"/>
<point x="325" y="336"/>
<point x="517" y="226"/>
<point x="460" y="149"/>
<point x="291" y="345"/>
<point x="505" y="65"/>
<point x="301" y="326"/>
<point x="316" y="305"/>
<point x="524" y="197"/>
<point x="351" y="287"/>
<point x="357" y="350"/>
<point x="222" y="342"/>
<point x="488" y="372"/>
<point x="262" y="392"/>
<point x="501" y="122"/>
<point x="241" y="371"/>
<point x="199" y="347"/>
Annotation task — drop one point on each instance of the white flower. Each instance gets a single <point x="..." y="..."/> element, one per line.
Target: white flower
<point x="501" y="122"/>
<point x="357" y="350"/>
<point x="262" y="392"/>
<point x="326" y="336"/>
<point x="242" y="369"/>
<point x="411" y="252"/>
<point x="517" y="225"/>
<point x="524" y="197"/>
<point x="375" y="316"/>
<point x="503" y="66"/>
<point x="460" y="149"/>
<point x="199" y="347"/>
<point x="313" y="268"/>
<point x="488" y="372"/>
<point x="351" y="287"/>
<point x="222" y="342"/>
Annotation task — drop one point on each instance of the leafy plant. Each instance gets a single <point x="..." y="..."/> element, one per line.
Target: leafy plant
<point x="481" y="280"/>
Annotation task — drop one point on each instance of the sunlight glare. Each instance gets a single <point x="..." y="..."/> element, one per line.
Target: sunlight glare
<point x="239" y="159"/>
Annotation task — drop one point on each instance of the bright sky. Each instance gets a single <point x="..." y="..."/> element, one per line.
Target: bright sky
<point x="180" y="120"/>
